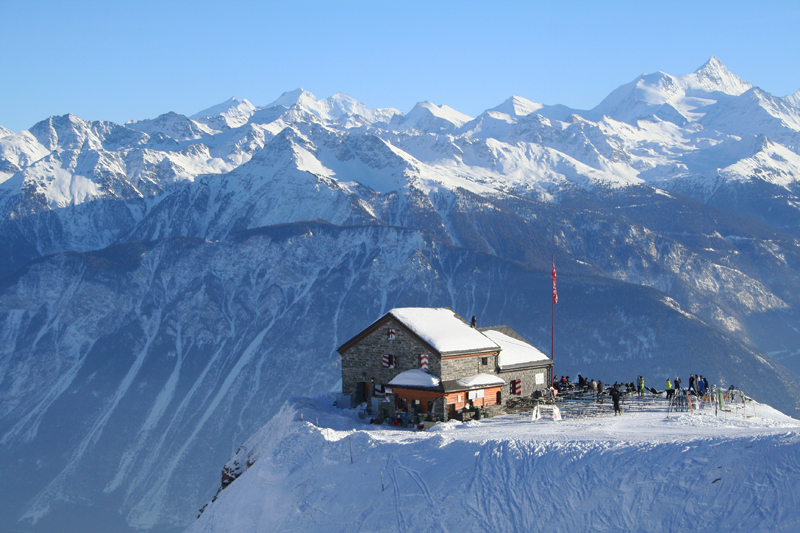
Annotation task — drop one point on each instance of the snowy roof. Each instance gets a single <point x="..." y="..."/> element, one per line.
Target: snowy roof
<point x="514" y="351"/>
<point x="481" y="380"/>
<point x="443" y="330"/>
<point x="415" y="378"/>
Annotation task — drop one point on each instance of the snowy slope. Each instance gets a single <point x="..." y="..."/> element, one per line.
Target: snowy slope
<point x="638" y="472"/>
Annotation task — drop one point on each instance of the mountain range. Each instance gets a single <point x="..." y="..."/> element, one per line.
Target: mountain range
<point x="166" y="284"/>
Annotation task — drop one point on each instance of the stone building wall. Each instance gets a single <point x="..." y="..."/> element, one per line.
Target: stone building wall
<point x="364" y="361"/>
<point x="460" y="367"/>
<point x="528" y="378"/>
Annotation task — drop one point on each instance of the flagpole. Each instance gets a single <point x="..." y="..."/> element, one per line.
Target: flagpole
<point x="553" y="326"/>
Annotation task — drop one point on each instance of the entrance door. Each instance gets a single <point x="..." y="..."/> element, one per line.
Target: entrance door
<point x="361" y="392"/>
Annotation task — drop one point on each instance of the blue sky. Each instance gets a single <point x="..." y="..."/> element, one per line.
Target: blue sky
<point x="123" y="60"/>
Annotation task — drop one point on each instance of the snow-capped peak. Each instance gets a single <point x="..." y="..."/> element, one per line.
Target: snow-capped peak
<point x="676" y="99"/>
<point x="516" y="106"/>
<point x="427" y="116"/>
<point x="714" y="76"/>
<point x="290" y="98"/>
<point x="340" y="105"/>
<point x="232" y="106"/>
<point x="171" y="124"/>
<point x="643" y="98"/>
<point x="5" y="132"/>
<point x="231" y="113"/>
<point x="336" y="107"/>
<point x="793" y="100"/>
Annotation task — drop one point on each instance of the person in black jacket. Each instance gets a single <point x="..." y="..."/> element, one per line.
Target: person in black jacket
<point x="615" y="394"/>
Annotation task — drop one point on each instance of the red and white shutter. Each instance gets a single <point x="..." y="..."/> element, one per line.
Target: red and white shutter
<point x="423" y="361"/>
<point x="385" y="360"/>
<point x="516" y="386"/>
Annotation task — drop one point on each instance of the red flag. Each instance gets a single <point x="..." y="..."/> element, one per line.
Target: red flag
<point x="555" y="294"/>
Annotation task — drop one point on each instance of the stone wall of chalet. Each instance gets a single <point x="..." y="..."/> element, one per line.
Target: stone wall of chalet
<point x="528" y="378"/>
<point x="364" y="361"/>
<point x="460" y="367"/>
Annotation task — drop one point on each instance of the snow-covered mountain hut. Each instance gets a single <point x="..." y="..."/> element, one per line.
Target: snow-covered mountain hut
<point x="432" y="361"/>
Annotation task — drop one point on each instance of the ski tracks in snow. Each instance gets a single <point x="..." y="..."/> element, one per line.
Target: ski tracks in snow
<point x="394" y="467"/>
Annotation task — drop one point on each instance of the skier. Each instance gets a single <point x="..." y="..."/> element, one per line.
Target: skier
<point x="615" y="394"/>
<point x="640" y="385"/>
<point x="669" y="389"/>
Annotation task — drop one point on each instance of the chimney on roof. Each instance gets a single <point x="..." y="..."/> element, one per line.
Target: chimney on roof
<point x="474" y="322"/>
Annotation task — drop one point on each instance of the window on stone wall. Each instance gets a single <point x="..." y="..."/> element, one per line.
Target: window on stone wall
<point x="484" y="361"/>
<point x="388" y="361"/>
<point x="515" y="386"/>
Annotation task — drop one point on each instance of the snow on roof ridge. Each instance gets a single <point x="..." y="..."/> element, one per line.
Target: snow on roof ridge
<point x="514" y="351"/>
<point x="443" y="329"/>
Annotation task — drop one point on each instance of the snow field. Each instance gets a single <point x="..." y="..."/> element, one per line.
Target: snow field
<point x="635" y="472"/>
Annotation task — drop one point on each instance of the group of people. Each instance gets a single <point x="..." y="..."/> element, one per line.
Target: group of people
<point x="597" y="387"/>
<point x="697" y="385"/>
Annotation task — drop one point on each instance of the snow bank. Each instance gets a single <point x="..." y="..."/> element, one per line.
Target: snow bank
<point x="638" y="472"/>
